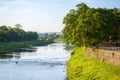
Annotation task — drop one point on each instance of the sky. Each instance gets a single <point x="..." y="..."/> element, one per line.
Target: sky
<point x="43" y="15"/>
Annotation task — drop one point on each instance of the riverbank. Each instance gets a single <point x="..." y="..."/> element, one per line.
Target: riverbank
<point x="81" y="67"/>
<point x="10" y="46"/>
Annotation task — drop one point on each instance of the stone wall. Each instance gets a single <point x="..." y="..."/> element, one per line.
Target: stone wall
<point x="108" y="56"/>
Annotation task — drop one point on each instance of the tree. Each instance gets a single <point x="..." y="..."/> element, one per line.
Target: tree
<point x="87" y="26"/>
<point x="18" y="26"/>
<point x="70" y="24"/>
<point x="16" y="34"/>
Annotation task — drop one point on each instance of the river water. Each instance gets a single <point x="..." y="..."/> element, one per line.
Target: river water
<point x="38" y="63"/>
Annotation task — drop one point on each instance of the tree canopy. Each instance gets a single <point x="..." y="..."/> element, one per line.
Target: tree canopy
<point x="16" y="34"/>
<point x="86" y="26"/>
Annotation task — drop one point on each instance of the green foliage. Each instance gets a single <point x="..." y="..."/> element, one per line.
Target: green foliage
<point x="86" y="26"/>
<point x="46" y="36"/>
<point x="81" y="67"/>
<point x="59" y="38"/>
<point x="9" y="34"/>
<point x="10" y="46"/>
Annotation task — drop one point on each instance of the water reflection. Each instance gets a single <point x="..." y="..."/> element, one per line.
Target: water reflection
<point x="3" y="56"/>
<point x="69" y="47"/>
<point x="26" y="50"/>
<point x="16" y="53"/>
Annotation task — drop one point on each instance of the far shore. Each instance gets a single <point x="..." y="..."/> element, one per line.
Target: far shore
<point x="11" y="46"/>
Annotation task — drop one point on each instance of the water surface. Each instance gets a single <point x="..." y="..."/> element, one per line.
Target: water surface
<point x="38" y="63"/>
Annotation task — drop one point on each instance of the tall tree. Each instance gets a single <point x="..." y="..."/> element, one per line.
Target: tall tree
<point x="87" y="26"/>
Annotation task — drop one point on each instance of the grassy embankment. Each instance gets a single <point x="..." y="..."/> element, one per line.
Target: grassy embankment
<point x="10" y="46"/>
<point x="81" y="67"/>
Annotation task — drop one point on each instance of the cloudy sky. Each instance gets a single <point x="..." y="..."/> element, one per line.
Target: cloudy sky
<point x="43" y="15"/>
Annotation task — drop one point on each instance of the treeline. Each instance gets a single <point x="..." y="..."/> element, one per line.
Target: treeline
<point x="8" y="34"/>
<point x="50" y="36"/>
<point x="88" y="26"/>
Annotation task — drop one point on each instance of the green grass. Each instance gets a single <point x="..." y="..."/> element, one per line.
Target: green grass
<point x="10" y="46"/>
<point x="81" y="67"/>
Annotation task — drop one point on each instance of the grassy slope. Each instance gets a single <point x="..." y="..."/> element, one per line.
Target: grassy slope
<point x="10" y="46"/>
<point x="81" y="67"/>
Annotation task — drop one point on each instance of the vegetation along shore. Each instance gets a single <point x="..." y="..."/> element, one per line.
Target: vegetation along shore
<point x="15" y="38"/>
<point x="82" y="67"/>
<point x="10" y="46"/>
<point x="94" y="29"/>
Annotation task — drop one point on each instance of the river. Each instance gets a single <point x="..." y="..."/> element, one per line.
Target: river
<point x="37" y="63"/>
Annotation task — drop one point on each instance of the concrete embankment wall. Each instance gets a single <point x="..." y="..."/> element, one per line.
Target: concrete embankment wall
<point x="108" y="56"/>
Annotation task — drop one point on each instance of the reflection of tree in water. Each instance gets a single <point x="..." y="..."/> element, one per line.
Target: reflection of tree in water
<point x="69" y="47"/>
<point x="6" y="56"/>
<point x="26" y="50"/>
<point x="10" y="55"/>
<point x="16" y="53"/>
<point x="66" y="78"/>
